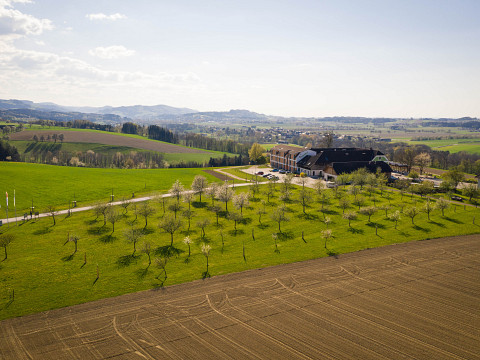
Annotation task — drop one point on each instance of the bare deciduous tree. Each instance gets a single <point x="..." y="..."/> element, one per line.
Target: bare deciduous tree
<point x="199" y="185"/>
<point x="176" y="190"/>
<point x="351" y="215"/>
<point x="202" y="224"/>
<point x="5" y="240"/>
<point x="133" y="235"/>
<point x="206" y="252"/>
<point x="146" y="211"/>
<point x="240" y="201"/>
<point x="170" y="225"/>
<point x="52" y="211"/>
<point x="411" y="212"/>
<point x="225" y="194"/>
<point x="279" y="216"/>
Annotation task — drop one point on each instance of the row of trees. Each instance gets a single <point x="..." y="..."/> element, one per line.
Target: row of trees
<point x="54" y="138"/>
<point x="131" y="160"/>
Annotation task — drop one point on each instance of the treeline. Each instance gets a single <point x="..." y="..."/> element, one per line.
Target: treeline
<point x="229" y="161"/>
<point x="76" y="124"/>
<point x="8" y="152"/>
<point x="210" y="143"/>
<point x="473" y="124"/>
<point x="132" y="160"/>
<point x="162" y="134"/>
<point x="403" y="153"/>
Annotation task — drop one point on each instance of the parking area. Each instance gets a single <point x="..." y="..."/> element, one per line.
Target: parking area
<point x="310" y="182"/>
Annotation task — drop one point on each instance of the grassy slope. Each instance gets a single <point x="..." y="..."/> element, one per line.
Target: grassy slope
<point x="453" y="145"/>
<point x="192" y="157"/>
<point x="44" y="276"/>
<point x="55" y="185"/>
<point x="112" y="149"/>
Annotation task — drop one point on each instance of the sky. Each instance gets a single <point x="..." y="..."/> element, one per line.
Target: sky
<point x="373" y="58"/>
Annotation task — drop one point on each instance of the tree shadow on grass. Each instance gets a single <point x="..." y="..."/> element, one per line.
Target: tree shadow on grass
<point x="97" y="230"/>
<point x="355" y="231"/>
<point x="331" y="212"/>
<point x="107" y="238"/>
<point x="285" y="235"/>
<point x="188" y="232"/>
<point x="419" y="228"/>
<point x="68" y="257"/>
<point x="437" y="223"/>
<point x="7" y="305"/>
<point x="147" y="231"/>
<point x="406" y="234"/>
<point x="236" y="232"/>
<point x="453" y="220"/>
<point x="332" y="253"/>
<point x="43" y="231"/>
<point x="168" y="251"/>
<point x="90" y="222"/>
<point x="263" y="226"/>
<point x="198" y="204"/>
<point x="379" y="226"/>
<point x="142" y="273"/>
<point x="308" y="216"/>
<point x="127" y="260"/>
<point x="245" y="221"/>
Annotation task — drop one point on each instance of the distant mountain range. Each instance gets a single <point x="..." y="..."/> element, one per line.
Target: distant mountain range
<point x="123" y="113"/>
<point x="29" y="110"/>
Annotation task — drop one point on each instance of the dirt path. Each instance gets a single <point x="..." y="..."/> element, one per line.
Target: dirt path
<point x="418" y="300"/>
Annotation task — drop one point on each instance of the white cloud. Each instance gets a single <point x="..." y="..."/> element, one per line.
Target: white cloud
<point x="111" y="52"/>
<point x="14" y="24"/>
<point x="52" y="70"/>
<point x="102" y="16"/>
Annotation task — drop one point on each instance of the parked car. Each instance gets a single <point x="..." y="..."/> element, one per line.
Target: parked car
<point x="265" y="175"/>
<point x="331" y="184"/>
<point x="275" y="170"/>
<point x="282" y="172"/>
<point x="457" y="198"/>
<point x="259" y="173"/>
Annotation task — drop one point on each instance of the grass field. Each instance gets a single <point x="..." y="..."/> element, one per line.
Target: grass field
<point x="453" y="145"/>
<point x="45" y="274"/>
<point x="56" y="185"/>
<point x="269" y="146"/>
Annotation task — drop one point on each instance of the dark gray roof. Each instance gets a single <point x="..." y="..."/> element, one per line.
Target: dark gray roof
<point x="371" y="166"/>
<point x="337" y="155"/>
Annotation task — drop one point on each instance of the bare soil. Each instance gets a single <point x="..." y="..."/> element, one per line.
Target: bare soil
<point x="106" y="138"/>
<point x="418" y="300"/>
<point x="218" y="175"/>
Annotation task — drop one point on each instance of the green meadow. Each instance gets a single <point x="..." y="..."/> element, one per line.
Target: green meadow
<point x="43" y="272"/>
<point x="453" y="145"/>
<point x="57" y="185"/>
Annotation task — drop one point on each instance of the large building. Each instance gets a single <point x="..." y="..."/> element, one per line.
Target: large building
<point x="327" y="163"/>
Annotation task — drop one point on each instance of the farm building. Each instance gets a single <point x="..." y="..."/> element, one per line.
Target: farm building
<point x="328" y="163"/>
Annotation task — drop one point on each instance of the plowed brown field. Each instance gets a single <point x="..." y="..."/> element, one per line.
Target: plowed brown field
<point x="419" y="300"/>
<point x="108" y="139"/>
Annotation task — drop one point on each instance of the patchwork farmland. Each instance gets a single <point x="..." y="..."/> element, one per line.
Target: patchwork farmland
<point x="417" y="300"/>
<point x="108" y="139"/>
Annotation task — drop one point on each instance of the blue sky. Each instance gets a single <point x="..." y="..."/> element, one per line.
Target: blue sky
<point x="293" y="58"/>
